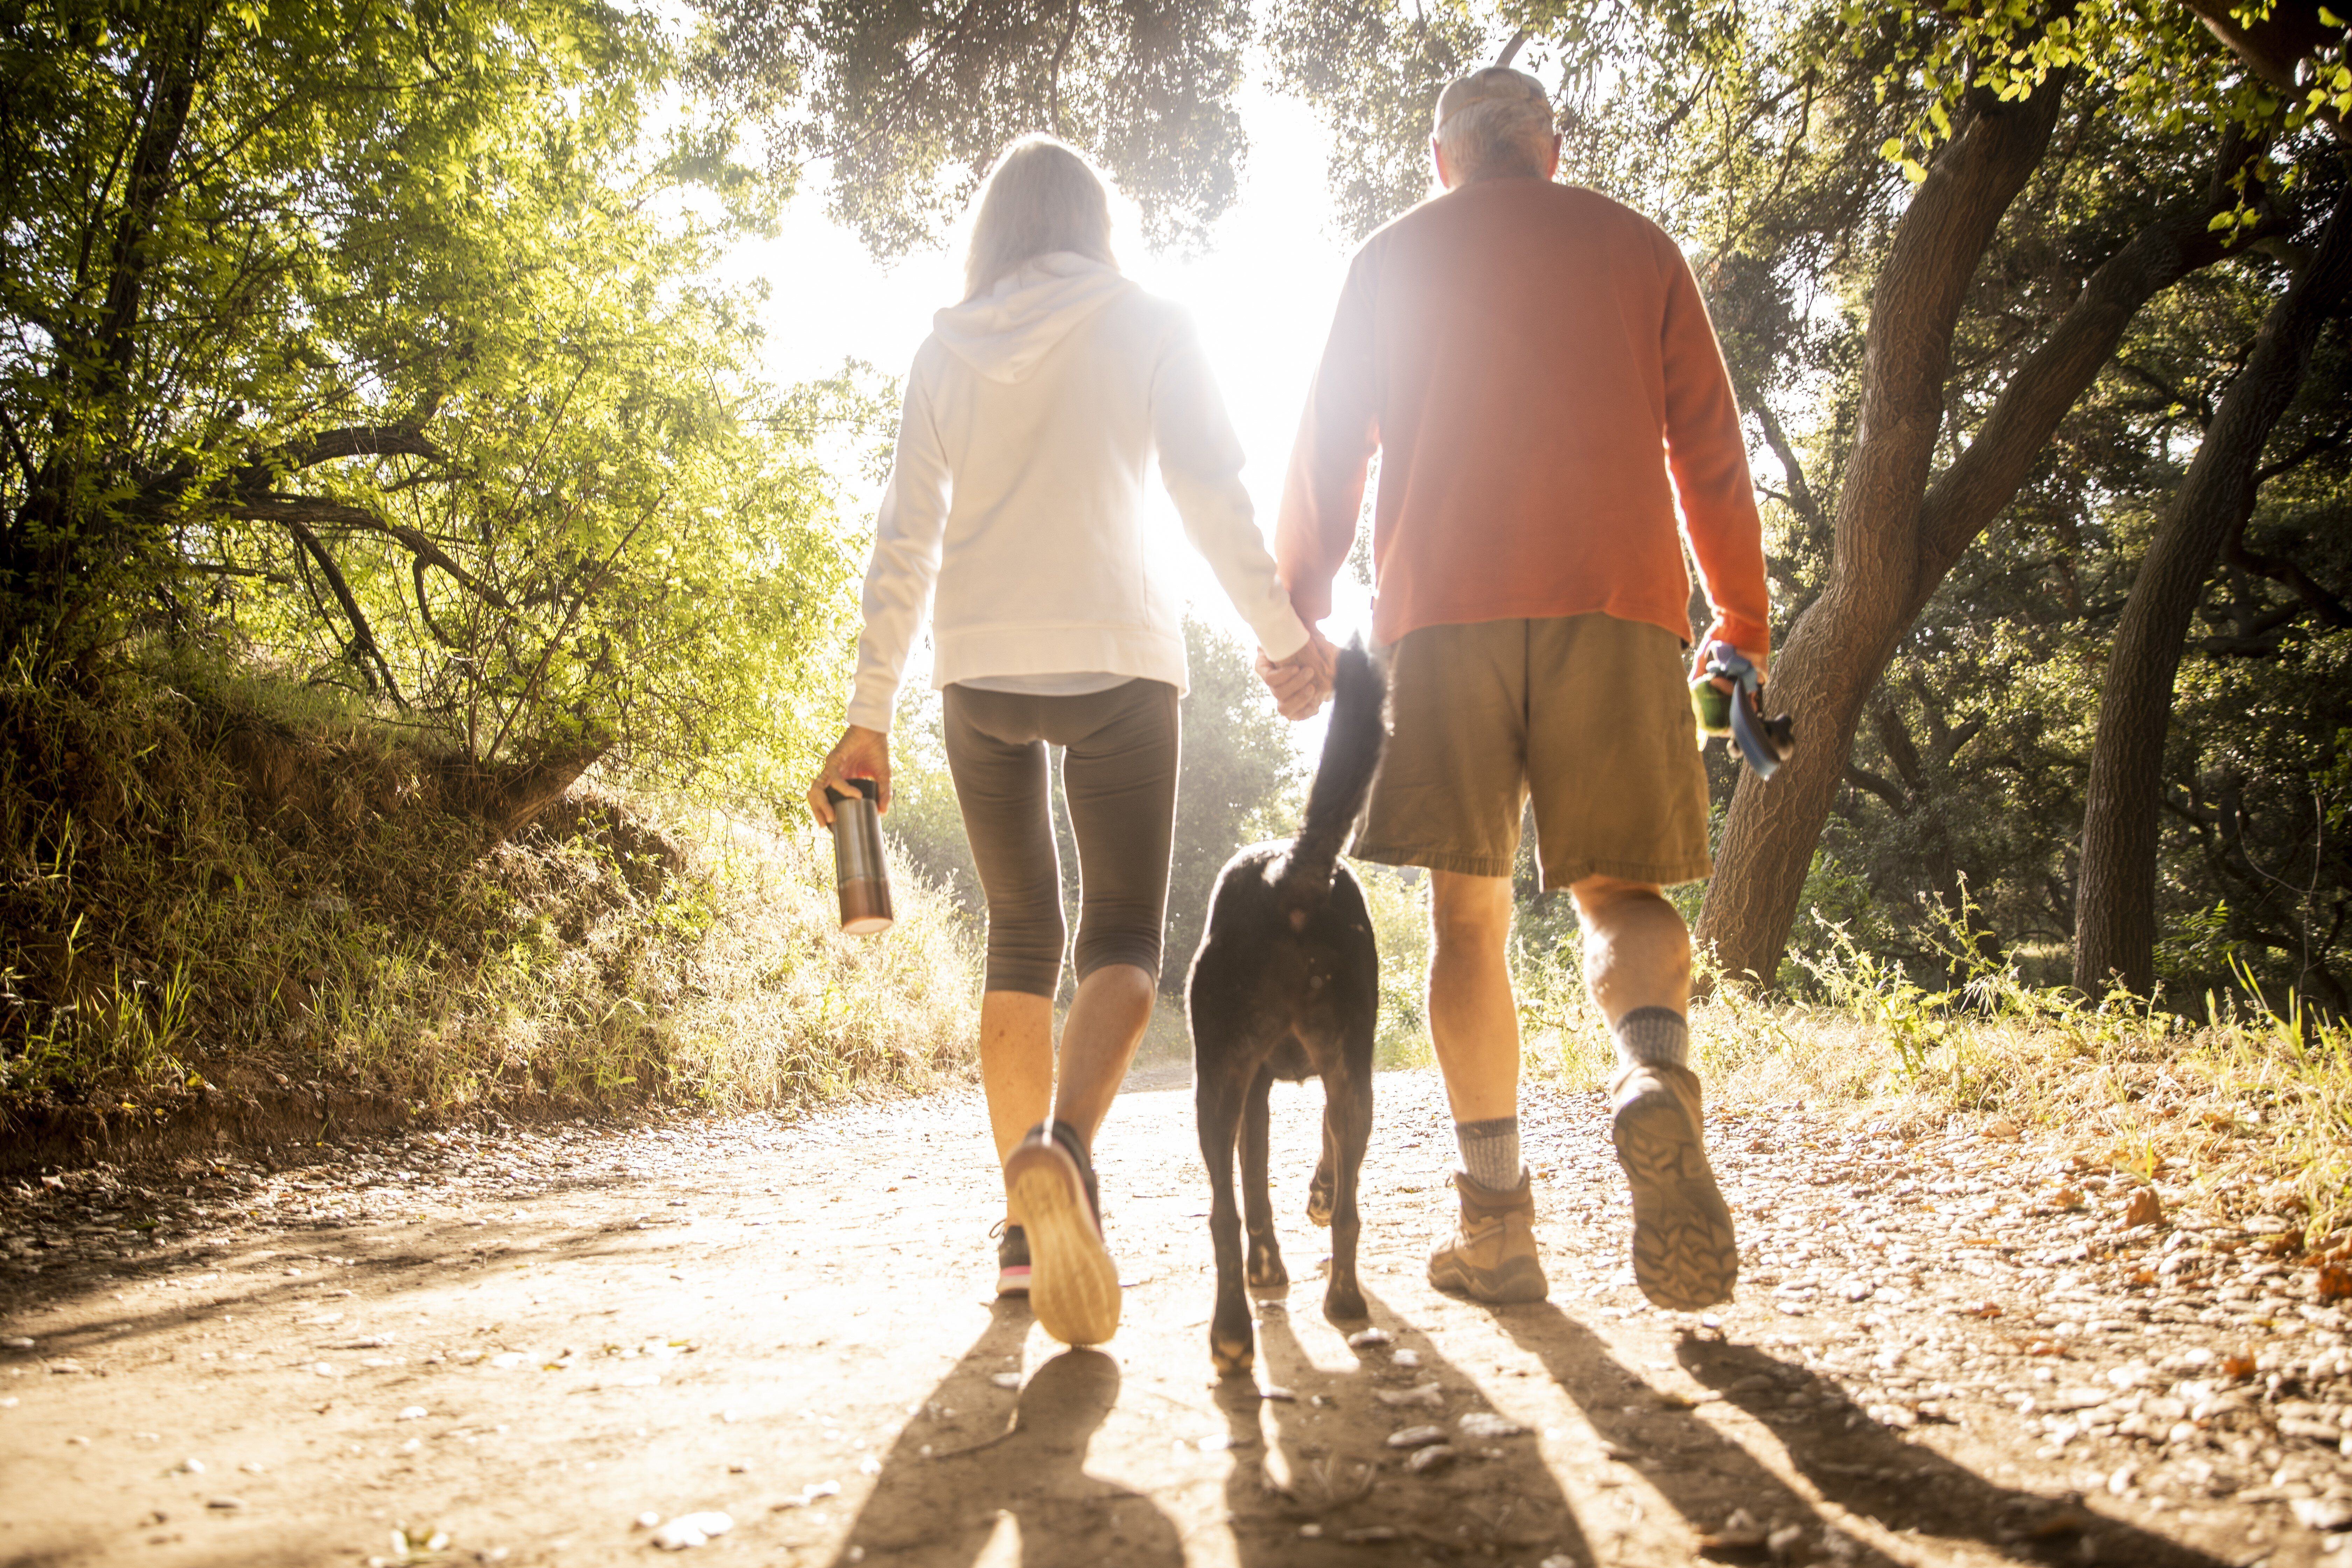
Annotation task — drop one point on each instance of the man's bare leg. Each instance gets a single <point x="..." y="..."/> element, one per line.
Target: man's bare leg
<point x="1473" y="1021"/>
<point x="1636" y="949"/>
<point x="1637" y="967"/>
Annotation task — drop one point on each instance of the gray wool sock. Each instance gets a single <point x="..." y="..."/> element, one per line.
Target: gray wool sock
<point x="1658" y="1036"/>
<point x="1490" y="1152"/>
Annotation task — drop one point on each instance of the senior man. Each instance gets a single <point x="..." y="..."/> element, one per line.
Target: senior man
<point x="1532" y="363"/>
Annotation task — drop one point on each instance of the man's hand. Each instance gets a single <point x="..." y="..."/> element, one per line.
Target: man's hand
<point x="1302" y="681"/>
<point x="860" y="753"/>
<point x="1724" y="683"/>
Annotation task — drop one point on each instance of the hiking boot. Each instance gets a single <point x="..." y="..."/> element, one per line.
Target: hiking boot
<point x="1491" y="1255"/>
<point x="1011" y="1258"/>
<point x="1684" y="1255"/>
<point x="1073" y="1284"/>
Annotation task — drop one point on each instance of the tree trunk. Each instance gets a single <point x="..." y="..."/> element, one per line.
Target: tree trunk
<point x="1829" y="664"/>
<point x="2114" y="930"/>
<point x="1896" y="536"/>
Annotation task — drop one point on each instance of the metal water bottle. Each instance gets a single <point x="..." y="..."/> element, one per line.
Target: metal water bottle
<point x="858" y="866"/>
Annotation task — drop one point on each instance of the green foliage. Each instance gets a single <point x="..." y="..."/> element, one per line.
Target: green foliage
<point x="908" y="101"/>
<point x="1398" y="900"/>
<point x="370" y="342"/>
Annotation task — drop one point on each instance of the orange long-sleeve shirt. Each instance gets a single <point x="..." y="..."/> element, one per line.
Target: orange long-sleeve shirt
<point x="1532" y="361"/>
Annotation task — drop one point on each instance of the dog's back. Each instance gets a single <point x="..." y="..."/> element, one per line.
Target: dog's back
<point x="1286" y="984"/>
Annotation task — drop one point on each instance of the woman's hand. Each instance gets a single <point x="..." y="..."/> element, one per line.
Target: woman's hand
<point x="1302" y="681"/>
<point x="860" y="753"/>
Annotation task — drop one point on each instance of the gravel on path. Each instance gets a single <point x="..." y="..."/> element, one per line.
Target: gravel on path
<point x="765" y="1340"/>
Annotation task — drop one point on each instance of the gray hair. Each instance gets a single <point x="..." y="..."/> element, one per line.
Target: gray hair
<point x="1041" y="196"/>
<point x="1495" y="121"/>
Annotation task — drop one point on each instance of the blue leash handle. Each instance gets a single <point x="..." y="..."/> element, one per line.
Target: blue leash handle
<point x="1765" y="745"/>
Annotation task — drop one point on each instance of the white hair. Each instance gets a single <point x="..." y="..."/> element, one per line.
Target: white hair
<point x="1506" y="128"/>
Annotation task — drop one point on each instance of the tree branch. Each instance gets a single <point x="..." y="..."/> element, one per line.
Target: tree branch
<point x="356" y="441"/>
<point x="363" y="635"/>
<point x="1862" y="778"/>
<point x="1971" y="492"/>
<point x="295" y="510"/>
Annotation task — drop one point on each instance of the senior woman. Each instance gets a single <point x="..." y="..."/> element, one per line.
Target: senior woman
<point x="1016" y="507"/>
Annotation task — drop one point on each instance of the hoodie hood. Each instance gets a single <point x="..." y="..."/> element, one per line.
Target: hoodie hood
<point x="1005" y="332"/>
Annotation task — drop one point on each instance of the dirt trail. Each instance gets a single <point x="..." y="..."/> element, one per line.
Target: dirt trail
<point x="525" y="1341"/>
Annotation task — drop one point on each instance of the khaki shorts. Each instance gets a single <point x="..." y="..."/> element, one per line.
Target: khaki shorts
<point x="1589" y="716"/>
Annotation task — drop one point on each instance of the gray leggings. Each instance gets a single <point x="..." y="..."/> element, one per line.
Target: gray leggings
<point x="1119" y="777"/>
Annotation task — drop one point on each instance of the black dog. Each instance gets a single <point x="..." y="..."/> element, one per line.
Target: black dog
<point x="1286" y="984"/>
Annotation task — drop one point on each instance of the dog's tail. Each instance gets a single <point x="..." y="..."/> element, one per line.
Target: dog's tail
<point x="1351" y="754"/>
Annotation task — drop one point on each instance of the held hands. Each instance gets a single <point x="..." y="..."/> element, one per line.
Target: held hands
<point x="860" y="753"/>
<point x="1302" y="681"/>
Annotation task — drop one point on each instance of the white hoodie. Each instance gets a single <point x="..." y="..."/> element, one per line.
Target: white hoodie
<point x="1032" y="415"/>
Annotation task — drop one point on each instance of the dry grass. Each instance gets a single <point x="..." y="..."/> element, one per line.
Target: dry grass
<point x="2252" y="1108"/>
<point x="213" y="883"/>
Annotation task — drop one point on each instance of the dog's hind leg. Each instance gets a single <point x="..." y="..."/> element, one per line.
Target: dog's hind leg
<point x="1266" y="1270"/>
<point x="1347" y="1129"/>
<point x="1217" y="1104"/>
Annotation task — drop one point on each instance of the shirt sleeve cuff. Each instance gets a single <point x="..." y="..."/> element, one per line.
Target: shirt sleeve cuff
<point x="1282" y="634"/>
<point x="871" y="711"/>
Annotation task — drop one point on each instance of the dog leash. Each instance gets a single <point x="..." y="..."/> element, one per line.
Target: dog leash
<point x="1765" y="743"/>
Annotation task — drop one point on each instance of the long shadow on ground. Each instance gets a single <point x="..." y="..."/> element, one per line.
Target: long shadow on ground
<point x="1864" y="1468"/>
<point x="1325" y="1464"/>
<point x="947" y="1507"/>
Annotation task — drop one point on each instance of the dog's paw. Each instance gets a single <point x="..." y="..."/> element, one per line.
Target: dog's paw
<point x="1233" y="1356"/>
<point x="1343" y="1303"/>
<point x="1319" y="1195"/>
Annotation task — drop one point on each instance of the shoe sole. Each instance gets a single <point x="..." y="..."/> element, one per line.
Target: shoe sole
<point x="1685" y="1255"/>
<point x="1516" y="1283"/>
<point x="1073" y="1284"/>
<point x="1013" y="1282"/>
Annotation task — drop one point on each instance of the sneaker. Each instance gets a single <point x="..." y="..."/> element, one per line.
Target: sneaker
<point x="1073" y="1284"/>
<point x="1684" y="1255"/>
<point x="1491" y="1255"/>
<point x="1011" y="1258"/>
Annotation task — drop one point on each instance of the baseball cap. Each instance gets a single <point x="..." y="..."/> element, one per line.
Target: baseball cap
<point x="1491" y="84"/>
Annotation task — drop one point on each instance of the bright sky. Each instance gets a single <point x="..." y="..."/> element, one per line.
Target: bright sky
<point x="1262" y="296"/>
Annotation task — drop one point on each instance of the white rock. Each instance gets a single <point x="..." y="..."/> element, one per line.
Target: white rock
<point x="1424" y="1460"/>
<point x="2322" y="1512"/>
<point x="1005" y="1379"/>
<point x="648" y="1520"/>
<point x="414" y="1413"/>
<point x="1406" y="1359"/>
<point x="16" y="1343"/>
<point x="507" y="1360"/>
<point x="189" y="1467"/>
<point x="1416" y="1436"/>
<point x="1365" y="1339"/>
<point x="691" y="1530"/>
<point x="1486" y="1424"/>
<point x="1427" y="1395"/>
